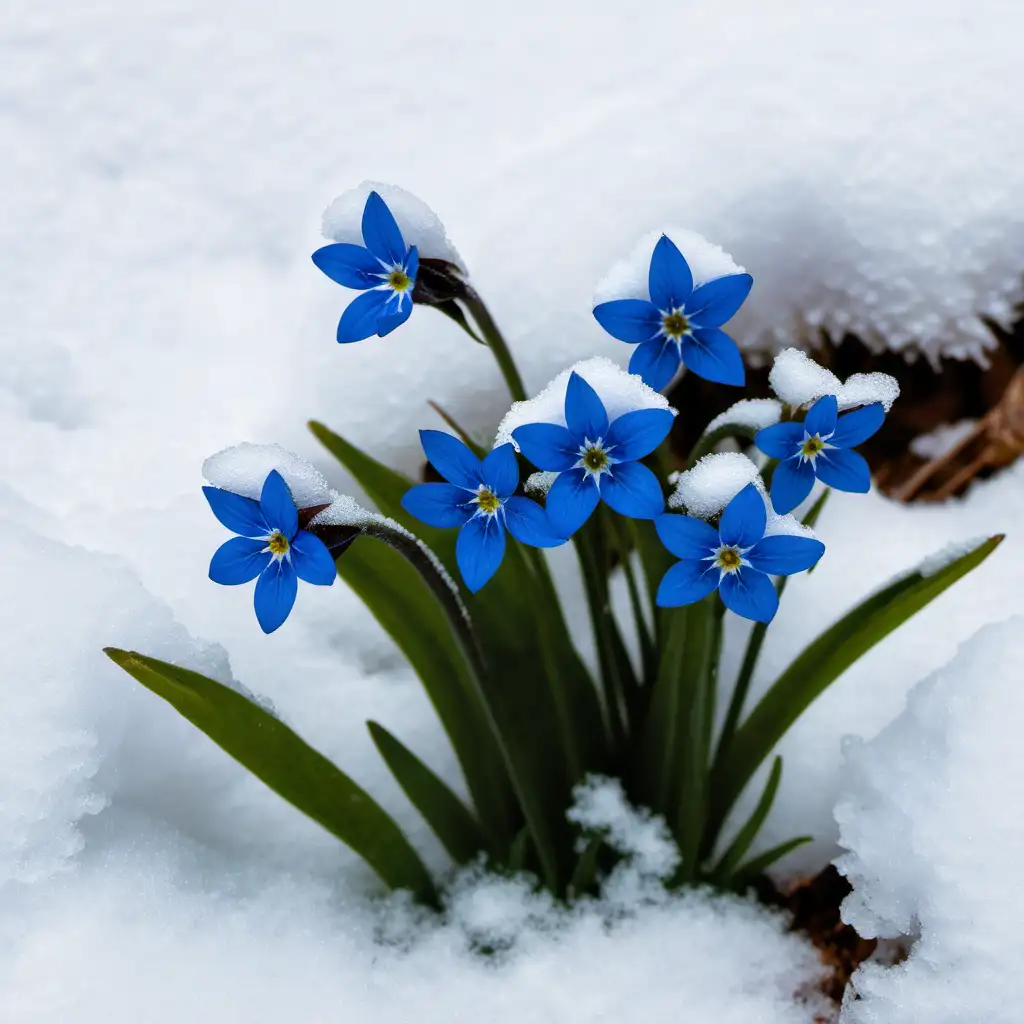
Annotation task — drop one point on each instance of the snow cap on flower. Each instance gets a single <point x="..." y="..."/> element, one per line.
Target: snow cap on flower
<point x="752" y="413"/>
<point x="799" y="381"/>
<point x="420" y="226"/>
<point x="620" y="392"/>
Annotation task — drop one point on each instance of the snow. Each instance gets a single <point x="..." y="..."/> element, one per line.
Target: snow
<point x="798" y="380"/>
<point x="705" y="489"/>
<point x="947" y="555"/>
<point x="627" y="279"/>
<point x="754" y="413"/>
<point x="159" y="304"/>
<point x="928" y="817"/>
<point x="620" y="392"/>
<point x="944" y="438"/>
<point x="420" y="226"/>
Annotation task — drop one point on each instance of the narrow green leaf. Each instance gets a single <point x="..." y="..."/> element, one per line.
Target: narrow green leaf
<point x="758" y="865"/>
<point x="478" y="450"/>
<point x="519" y="852"/>
<point x="584" y="876"/>
<point x="820" y="664"/>
<point x="707" y="443"/>
<point x="746" y="835"/>
<point x="459" y="832"/>
<point x="283" y="761"/>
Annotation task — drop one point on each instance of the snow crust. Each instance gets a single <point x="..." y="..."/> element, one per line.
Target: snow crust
<point x="798" y="380"/>
<point x="621" y="392"/>
<point x="934" y="843"/>
<point x="420" y="226"/>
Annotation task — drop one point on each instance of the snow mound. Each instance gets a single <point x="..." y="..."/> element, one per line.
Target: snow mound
<point x="620" y="391"/>
<point x="798" y="380"/>
<point x="420" y="226"/>
<point x="755" y="413"/>
<point x="930" y="819"/>
<point x="708" y="487"/>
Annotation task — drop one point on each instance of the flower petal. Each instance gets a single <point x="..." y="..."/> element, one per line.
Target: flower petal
<point x="636" y="434"/>
<point x="685" y="583"/>
<point x="548" y="446"/>
<point x="388" y="321"/>
<point x="843" y="469"/>
<point x="821" y="417"/>
<point x="529" y="524"/>
<point x="631" y="489"/>
<point x="241" y="515"/>
<point x="275" y="594"/>
<point x="349" y="265"/>
<point x="381" y="233"/>
<point x="479" y="550"/>
<point x="713" y="355"/>
<point x="311" y="560"/>
<point x="782" y="555"/>
<point x="856" y="427"/>
<point x="441" y="505"/>
<point x="452" y="459"/>
<point x="669" y="280"/>
<point x="781" y="440"/>
<point x="744" y="518"/>
<point x="500" y="471"/>
<point x="278" y="505"/>
<point x="359" y="320"/>
<point x="412" y="263"/>
<point x="571" y="500"/>
<point x="239" y="560"/>
<point x="632" y="320"/>
<point x="751" y="594"/>
<point x="656" y="361"/>
<point x="686" y="536"/>
<point x="715" y="302"/>
<point x="791" y="483"/>
<point x="584" y="411"/>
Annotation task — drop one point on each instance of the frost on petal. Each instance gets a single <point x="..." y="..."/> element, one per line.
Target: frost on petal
<point x="798" y="380"/>
<point x="865" y="388"/>
<point x="709" y="486"/>
<point x="627" y="279"/>
<point x="420" y="226"/>
<point x="753" y="413"/>
<point x="620" y="392"/>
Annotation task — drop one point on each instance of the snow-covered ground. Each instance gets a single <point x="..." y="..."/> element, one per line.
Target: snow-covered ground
<point x="165" y="168"/>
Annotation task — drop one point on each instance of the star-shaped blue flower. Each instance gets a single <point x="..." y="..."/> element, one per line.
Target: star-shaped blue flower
<point x="680" y="323"/>
<point x="596" y="459"/>
<point x="271" y="546"/>
<point x="737" y="558"/>
<point x="820" y="447"/>
<point x="480" y="498"/>
<point x="385" y="271"/>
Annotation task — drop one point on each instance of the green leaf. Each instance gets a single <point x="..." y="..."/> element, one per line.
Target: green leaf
<point x="287" y="764"/>
<point x="584" y="877"/>
<point x="746" y="835"/>
<point x="460" y="833"/>
<point x="757" y="866"/>
<point x="820" y="664"/>
<point x="402" y="603"/>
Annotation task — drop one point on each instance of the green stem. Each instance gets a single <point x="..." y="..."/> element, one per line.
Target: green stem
<point x="496" y="343"/>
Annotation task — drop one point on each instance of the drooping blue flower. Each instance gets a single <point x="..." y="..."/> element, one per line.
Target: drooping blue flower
<point x="385" y="271"/>
<point x="819" y="447"/>
<point x="680" y="323"/>
<point x="596" y="459"/>
<point x="270" y="546"/>
<point x="737" y="558"/>
<point x="480" y="498"/>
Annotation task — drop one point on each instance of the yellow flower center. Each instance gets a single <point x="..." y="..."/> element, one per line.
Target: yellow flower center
<point x="675" y="325"/>
<point x="278" y="543"/>
<point x="399" y="280"/>
<point x="729" y="560"/>
<point x="595" y="460"/>
<point x="487" y="501"/>
<point x="811" y="447"/>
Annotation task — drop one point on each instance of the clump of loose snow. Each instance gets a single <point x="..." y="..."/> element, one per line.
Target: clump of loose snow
<point x="710" y="485"/>
<point x="420" y="226"/>
<point x="929" y="817"/>
<point x="798" y="380"/>
<point x="627" y="279"/>
<point x="754" y="413"/>
<point x="538" y="484"/>
<point x="620" y="392"/>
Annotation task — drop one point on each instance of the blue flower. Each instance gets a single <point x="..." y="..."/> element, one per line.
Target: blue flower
<point x="819" y="447"/>
<point x="385" y="271"/>
<point x="596" y="459"/>
<point x="680" y="323"/>
<point x="479" y="498"/>
<point x="737" y="558"/>
<point x="271" y="546"/>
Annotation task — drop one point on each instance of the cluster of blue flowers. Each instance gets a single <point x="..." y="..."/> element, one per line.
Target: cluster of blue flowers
<point x="595" y="458"/>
